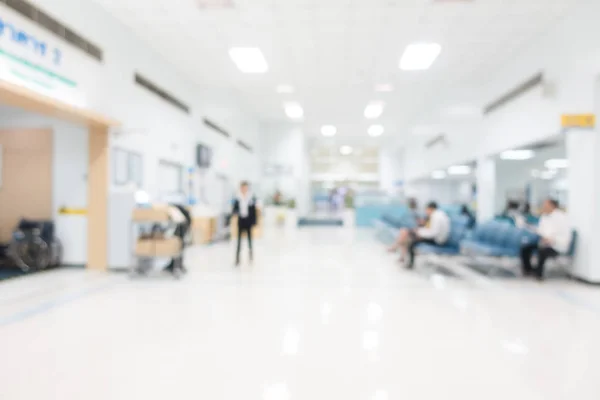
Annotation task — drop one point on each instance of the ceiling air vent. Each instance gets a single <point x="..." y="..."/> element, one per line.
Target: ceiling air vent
<point x="215" y="4"/>
<point x="244" y="146"/>
<point x="163" y="94"/>
<point x="514" y="93"/>
<point x="216" y="127"/>
<point x="438" y="139"/>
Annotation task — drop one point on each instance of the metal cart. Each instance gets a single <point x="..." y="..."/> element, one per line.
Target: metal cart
<point x="158" y="241"/>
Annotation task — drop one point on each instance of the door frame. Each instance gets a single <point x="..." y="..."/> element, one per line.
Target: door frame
<point x="98" y="169"/>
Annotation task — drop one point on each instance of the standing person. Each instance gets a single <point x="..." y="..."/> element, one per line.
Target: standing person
<point x="332" y="200"/>
<point x="245" y="209"/>
<point x="555" y="238"/>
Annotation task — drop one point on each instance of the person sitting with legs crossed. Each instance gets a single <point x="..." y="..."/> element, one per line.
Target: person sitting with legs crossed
<point x="436" y="231"/>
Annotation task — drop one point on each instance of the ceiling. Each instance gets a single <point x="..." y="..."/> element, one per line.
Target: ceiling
<point x="335" y="52"/>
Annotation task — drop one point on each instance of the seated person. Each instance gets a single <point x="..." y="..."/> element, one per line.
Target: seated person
<point x="465" y="212"/>
<point x="530" y="218"/>
<point x="436" y="232"/>
<point x="555" y="238"/>
<point x="513" y="213"/>
<point x="413" y="210"/>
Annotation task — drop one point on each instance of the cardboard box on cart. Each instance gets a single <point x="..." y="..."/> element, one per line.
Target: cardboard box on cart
<point x="160" y="247"/>
<point x="204" y="229"/>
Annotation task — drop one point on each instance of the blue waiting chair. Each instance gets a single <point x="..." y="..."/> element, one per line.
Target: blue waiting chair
<point x="458" y="231"/>
<point x="565" y="261"/>
<point x="389" y="225"/>
<point x="439" y="256"/>
<point x="497" y="239"/>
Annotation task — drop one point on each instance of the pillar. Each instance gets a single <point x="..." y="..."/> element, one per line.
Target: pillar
<point x="583" y="153"/>
<point x="486" y="188"/>
<point x="97" y="251"/>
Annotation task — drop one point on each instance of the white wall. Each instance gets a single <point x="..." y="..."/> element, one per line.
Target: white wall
<point x="461" y="146"/>
<point x="286" y="145"/>
<point x="391" y="169"/>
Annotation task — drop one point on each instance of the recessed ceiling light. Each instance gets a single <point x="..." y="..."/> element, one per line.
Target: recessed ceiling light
<point x="294" y="110"/>
<point x="249" y="60"/>
<point x="374" y="109"/>
<point x="548" y="174"/>
<point x="438" y="174"/>
<point x="376" y="130"/>
<point x="517" y="155"/>
<point x="384" y="87"/>
<point x="345" y="150"/>
<point x="328" y="130"/>
<point x="285" y="89"/>
<point x="557" y="163"/>
<point x="419" y="56"/>
<point x="459" y="170"/>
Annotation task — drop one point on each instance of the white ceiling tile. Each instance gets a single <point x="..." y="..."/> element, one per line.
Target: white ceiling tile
<point x="334" y="52"/>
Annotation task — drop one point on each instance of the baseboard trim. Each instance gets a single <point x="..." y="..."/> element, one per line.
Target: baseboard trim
<point x="584" y="281"/>
<point x="78" y="266"/>
<point x="119" y="270"/>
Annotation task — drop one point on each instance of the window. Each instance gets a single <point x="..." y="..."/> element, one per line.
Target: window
<point x="170" y="179"/>
<point x="136" y="169"/>
<point x="128" y="168"/>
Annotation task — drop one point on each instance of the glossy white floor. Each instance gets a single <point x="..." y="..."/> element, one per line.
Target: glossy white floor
<point x="323" y="314"/>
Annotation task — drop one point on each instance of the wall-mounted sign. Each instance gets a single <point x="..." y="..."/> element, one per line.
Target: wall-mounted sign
<point x="578" y="121"/>
<point x="29" y="41"/>
<point x="32" y="58"/>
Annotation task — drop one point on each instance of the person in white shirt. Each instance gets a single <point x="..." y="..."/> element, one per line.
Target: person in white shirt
<point x="555" y="238"/>
<point x="436" y="232"/>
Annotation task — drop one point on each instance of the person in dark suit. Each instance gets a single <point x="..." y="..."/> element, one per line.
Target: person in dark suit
<point x="244" y="207"/>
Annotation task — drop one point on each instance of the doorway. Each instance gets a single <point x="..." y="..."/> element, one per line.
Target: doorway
<point x="97" y="178"/>
<point x="26" y="180"/>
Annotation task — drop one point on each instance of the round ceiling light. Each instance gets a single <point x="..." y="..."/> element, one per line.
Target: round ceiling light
<point x="285" y="89"/>
<point x="384" y="87"/>
<point x="328" y="130"/>
<point x="440" y="174"/>
<point x="376" y="130"/>
<point x="346" y="150"/>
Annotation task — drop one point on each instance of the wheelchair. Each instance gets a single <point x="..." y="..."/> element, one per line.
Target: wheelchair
<point x="33" y="246"/>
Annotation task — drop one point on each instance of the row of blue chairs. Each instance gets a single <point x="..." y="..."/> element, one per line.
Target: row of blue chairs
<point x="495" y="238"/>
